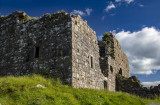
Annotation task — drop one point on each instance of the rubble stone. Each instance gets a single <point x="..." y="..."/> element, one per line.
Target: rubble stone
<point x="132" y="85"/>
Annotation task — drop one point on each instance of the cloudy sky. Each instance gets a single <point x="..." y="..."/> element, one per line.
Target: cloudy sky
<point x="136" y="24"/>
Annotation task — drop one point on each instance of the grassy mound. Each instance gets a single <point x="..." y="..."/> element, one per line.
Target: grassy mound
<point x="36" y="90"/>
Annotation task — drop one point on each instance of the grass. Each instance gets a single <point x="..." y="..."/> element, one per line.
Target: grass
<point x="156" y="101"/>
<point x="24" y="91"/>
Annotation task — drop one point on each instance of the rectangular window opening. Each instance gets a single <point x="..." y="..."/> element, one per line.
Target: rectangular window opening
<point x="36" y="52"/>
<point x="105" y="85"/>
<point x="91" y="62"/>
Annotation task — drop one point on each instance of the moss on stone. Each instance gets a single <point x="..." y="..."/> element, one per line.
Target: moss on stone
<point x="26" y="18"/>
<point x="62" y="12"/>
<point x="117" y="42"/>
<point x="108" y="39"/>
<point x="106" y="36"/>
<point x="2" y="16"/>
<point x="34" y="18"/>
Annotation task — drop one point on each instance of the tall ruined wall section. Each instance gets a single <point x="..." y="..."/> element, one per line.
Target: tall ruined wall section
<point x="113" y="60"/>
<point x="85" y="56"/>
<point x="107" y="64"/>
<point x="121" y="59"/>
<point x="36" y="46"/>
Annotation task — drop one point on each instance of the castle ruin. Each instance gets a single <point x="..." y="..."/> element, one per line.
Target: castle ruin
<point x="63" y="46"/>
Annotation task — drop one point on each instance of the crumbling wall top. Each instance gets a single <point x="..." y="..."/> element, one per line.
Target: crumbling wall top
<point x="22" y="17"/>
<point x="13" y="18"/>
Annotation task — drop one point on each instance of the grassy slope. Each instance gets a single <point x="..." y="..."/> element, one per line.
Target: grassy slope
<point x="23" y="90"/>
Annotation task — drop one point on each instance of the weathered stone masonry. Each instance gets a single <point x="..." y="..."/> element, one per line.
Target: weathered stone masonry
<point x="85" y="56"/>
<point x="36" y="46"/>
<point x="60" y="45"/>
<point x="112" y="60"/>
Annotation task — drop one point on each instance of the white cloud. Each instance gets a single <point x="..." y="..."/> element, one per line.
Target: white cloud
<point x="78" y="12"/>
<point x="142" y="48"/>
<point x="148" y="84"/>
<point x="118" y="0"/>
<point x="127" y="1"/>
<point x="88" y="10"/>
<point x="110" y="6"/>
<point x="141" y="5"/>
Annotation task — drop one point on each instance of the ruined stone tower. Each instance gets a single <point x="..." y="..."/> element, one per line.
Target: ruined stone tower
<point x="60" y="45"/>
<point x="112" y="60"/>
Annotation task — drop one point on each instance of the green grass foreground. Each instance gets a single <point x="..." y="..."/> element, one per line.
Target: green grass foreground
<point x="24" y="91"/>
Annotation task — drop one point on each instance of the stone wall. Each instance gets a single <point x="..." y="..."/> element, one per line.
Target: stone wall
<point x="121" y="59"/>
<point x="132" y="85"/>
<point x="59" y="45"/>
<point x="36" y="46"/>
<point x="85" y="56"/>
<point x="112" y="60"/>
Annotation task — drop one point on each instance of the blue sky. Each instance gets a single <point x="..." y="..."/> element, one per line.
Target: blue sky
<point x="136" y="24"/>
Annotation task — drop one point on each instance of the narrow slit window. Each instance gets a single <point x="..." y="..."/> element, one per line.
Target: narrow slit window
<point x="36" y="52"/>
<point x="120" y="71"/>
<point x="111" y="68"/>
<point x="105" y="84"/>
<point x="27" y="58"/>
<point x="91" y="62"/>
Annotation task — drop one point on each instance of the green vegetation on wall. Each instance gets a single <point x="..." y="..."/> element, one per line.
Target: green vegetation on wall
<point x="26" y="18"/>
<point x="117" y="42"/>
<point x="106" y="36"/>
<point x="108" y="39"/>
<point x="2" y="16"/>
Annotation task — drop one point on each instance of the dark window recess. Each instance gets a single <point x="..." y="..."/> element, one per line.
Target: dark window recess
<point x="105" y="84"/>
<point x="120" y="71"/>
<point x="36" y="52"/>
<point x="61" y="52"/>
<point x="111" y="68"/>
<point x="91" y="62"/>
<point x="77" y="50"/>
<point x="102" y="51"/>
<point x="27" y="58"/>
